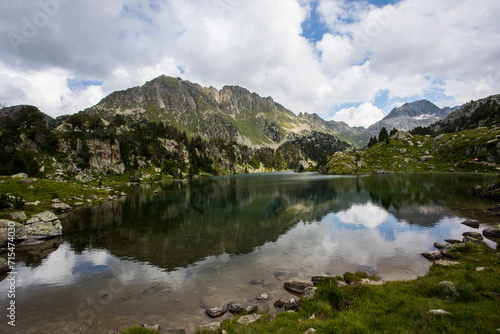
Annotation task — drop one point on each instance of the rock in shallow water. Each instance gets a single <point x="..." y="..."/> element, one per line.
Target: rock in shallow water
<point x="297" y="286"/>
<point x="471" y="223"/>
<point x="492" y="231"/>
<point x="216" y="312"/>
<point x="474" y="235"/>
<point x="432" y="255"/>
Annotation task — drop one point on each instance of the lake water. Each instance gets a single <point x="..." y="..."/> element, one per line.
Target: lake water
<point x="160" y="258"/>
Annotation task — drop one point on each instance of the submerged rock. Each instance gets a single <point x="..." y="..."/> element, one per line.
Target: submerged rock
<point x="297" y="286"/>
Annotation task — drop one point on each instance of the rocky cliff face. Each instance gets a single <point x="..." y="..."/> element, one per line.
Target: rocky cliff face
<point x="105" y="156"/>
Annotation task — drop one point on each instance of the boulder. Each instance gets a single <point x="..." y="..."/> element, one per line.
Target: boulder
<point x="447" y="290"/>
<point x="234" y="308"/>
<point x="426" y="158"/>
<point x="248" y="319"/>
<point x="19" y="176"/>
<point x="492" y="231"/>
<point x="309" y="292"/>
<point x="473" y="235"/>
<point x="301" y="166"/>
<point x="61" y="207"/>
<point x="471" y="223"/>
<point x="297" y="286"/>
<point x="19" y="216"/>
<point x="216" y="312"/>
<point x="432" y="255"/>
<point x="453" y="241"/>
<point x="440" y="245"/>
<point x="41" y="226"/>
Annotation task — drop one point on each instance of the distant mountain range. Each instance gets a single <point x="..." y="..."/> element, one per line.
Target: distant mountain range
<point x="412" y="115"/>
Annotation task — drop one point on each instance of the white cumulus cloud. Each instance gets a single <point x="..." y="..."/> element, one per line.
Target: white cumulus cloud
<point x="364" y="115"/>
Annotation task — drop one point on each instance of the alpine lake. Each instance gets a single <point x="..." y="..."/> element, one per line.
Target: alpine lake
<point x="168" y="251"/>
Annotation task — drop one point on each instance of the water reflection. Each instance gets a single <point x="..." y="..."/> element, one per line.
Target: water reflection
<point x="187" y="222"/>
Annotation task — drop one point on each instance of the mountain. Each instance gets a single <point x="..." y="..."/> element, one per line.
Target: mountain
<point x="483" y="112"/>
<point x="232" y="113"/>
<point x="411" y="115"/>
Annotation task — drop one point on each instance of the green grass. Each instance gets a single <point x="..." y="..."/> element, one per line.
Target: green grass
<point x="45" y="190"/>
<point x="400" y="306"/>
<point x="450" y="152"/>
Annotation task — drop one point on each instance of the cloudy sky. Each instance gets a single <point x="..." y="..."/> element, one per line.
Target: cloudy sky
<point x="344" y="60"/>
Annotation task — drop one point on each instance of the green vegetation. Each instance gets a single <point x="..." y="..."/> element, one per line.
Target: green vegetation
<point x="400" y="306"/>
<point x="403" y="152"/>
<point x="19" y="194"/>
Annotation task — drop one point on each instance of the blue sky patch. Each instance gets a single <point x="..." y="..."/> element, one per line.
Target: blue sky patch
<point x="75" y="84"/>
<point x="313" y="28"/>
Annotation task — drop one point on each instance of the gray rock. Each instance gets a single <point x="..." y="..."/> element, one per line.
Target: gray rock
<point x="46" y="216"/>
<point x="152" y="327"/>
<point x="495" y="207"/>
<point x="28" y="181"/>
<point x="310" y="331"/>
<point x="309" y="292"/>
<point x="432" y="255"/>
<point x="471" y="223"/>
<point x="248" y="319"/>
<point x="214" y="326"/>
<point x="41" y="226"/>
<point x="453" y="241"/>
<point x="297" y="286"/>
<point x="492" y="231"/>
<point x="61" y="207"/>
<point x="470" y="240"/>
<point x="439" y="312"/>
<point x="440" y="245"/>
<point x="426" y="158"/>
<point x="235" y="308"/>
<point x="445" y="263"/>
<point x="447" y="290"/>
<point x="263" y="296"/>
<point x="473" y="235"/>
<point x="19" y="176"/>
<point x="216" y="312"/>
<point x="19" y="216"/>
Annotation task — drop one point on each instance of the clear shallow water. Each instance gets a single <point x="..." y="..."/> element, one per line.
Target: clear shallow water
<point x="162" y="258"/>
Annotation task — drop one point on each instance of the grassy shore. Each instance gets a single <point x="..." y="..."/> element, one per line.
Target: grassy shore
<point x="472" y="305"/>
